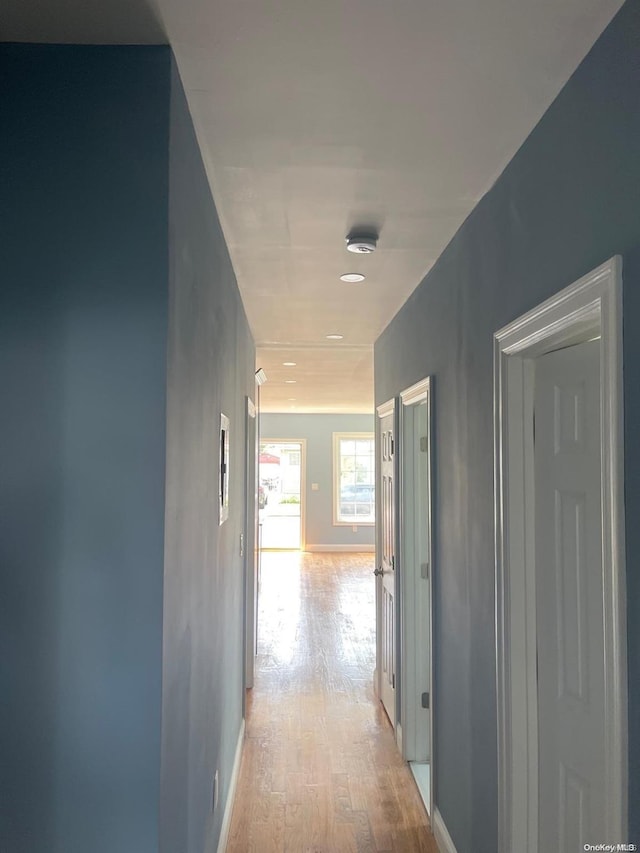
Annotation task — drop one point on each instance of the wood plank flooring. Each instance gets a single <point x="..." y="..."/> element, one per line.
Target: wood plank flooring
<point x="320" y="770"/>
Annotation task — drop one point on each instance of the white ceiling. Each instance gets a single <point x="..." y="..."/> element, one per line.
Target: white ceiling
<point x="316" y="117"/>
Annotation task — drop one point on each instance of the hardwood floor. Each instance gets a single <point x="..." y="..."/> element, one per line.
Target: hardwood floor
<point x="320" y="770"/>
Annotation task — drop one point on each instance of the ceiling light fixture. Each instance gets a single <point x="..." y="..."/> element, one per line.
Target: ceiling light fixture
<point x="352" y="277"/>
<point x="362" y="244"/>
<point x="290" y="381"/>
<point x="288" y="364"/>
<point x="334" y="337"/>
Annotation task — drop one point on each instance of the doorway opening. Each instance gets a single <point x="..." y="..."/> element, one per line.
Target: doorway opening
<point x="281" y="466"/>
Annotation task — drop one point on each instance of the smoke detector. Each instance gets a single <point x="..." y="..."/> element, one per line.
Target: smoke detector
<point x="362" y="244"/>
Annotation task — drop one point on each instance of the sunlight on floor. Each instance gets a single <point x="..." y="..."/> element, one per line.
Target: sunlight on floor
<point x="279" y="597"/>
<point x="320" y="769"/>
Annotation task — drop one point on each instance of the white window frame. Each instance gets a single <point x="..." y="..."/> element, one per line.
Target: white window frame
<point x="349" y="436"/>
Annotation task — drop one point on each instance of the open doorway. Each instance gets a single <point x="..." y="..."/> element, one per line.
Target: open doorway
<point x="280" y="494"/>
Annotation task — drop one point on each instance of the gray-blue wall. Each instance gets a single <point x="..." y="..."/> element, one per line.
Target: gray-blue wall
<point x="318" y="431"/>
<point x="122" y="337"/>
<point x="83" y="319"/>
<point x="569" y="200"/>
<point x="211" y="363"/>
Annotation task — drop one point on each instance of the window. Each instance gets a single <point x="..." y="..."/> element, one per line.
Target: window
<point x="353" y="478"/>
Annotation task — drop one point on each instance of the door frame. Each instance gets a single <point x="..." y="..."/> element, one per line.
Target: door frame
<point x="590" y="307"/>
<point x="382" y="411"/>
<point x="251" y="546"/>
<point x="409" y="689"/>
<point x="303" y="485"/>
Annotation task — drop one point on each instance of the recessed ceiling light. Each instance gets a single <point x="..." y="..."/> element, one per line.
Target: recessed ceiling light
<point x="288" y="364"/>
<point x="290" y="381"/>
<point x="352" y="277"/>
<point x="334" y="337"/>
<point x="291" y="399"/>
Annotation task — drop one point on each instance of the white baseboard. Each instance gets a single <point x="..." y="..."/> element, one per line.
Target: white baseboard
<point x="228" y="808"/>
<point x="443" y="839"/>
<point x="355" y="549"/>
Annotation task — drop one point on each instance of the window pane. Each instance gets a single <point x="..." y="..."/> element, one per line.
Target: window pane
<point x="364" y="447"/>
<point x="347" y="447"/>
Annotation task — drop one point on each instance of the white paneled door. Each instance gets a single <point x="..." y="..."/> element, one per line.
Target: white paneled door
<point x="386" y="567"/>
<point x="569" y="599"/>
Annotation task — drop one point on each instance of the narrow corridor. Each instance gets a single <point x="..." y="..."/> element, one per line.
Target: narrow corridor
<point x="320" y="771"/>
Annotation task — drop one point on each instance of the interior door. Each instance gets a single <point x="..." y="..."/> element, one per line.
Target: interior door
<point x="386" y="566"/>
<point x="415" y="570"/>
<point x="414" y="588"/>
<point x="569" y="599"/>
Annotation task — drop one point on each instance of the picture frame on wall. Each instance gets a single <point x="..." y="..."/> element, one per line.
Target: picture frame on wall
<point x="223" y="470"/>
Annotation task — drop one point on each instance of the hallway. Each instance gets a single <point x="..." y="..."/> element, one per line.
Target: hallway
<point x="320" y="770"/>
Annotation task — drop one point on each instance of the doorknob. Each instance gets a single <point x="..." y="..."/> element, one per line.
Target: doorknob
<point x="379" y="571"/>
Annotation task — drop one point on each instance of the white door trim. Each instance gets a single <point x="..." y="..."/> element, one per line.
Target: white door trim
<point x="251" y="546"/>
<point x="416" y="393"/>
<point x="421" y="391"/>
<point x="590" y="307"/>
<point x="387" y="408"/>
